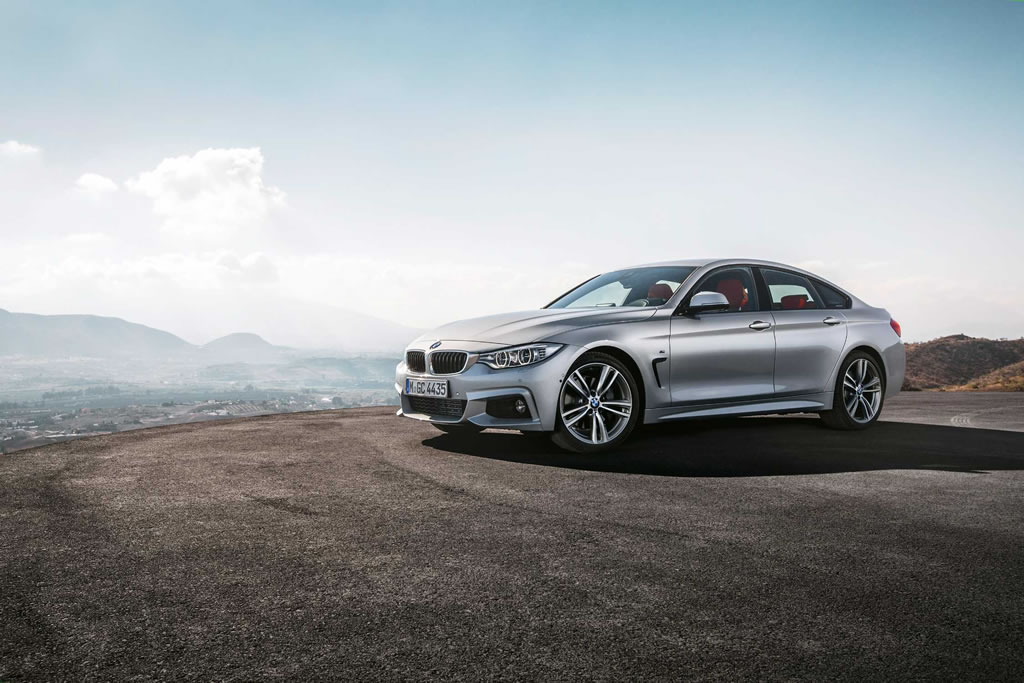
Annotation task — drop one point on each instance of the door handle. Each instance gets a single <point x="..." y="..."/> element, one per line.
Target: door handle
<point x="831" y="321"/>
<point x="759" y="325"/>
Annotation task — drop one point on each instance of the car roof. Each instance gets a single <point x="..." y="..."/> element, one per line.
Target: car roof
<point x="700" y="263"/>
<point x="693" y="262"/>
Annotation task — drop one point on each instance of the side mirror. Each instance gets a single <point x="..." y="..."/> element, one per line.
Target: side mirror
<point x="707" y="302"/>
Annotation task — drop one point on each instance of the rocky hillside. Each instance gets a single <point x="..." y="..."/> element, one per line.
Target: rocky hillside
<point x="1009" y="378"/>
<point x="966" y="363"/>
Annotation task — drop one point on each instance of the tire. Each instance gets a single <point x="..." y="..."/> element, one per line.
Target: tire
<point x="617" y="407"/>
<point x="867" y="402"/>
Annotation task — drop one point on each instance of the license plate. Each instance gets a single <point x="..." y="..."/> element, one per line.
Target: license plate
<point x="426" y="387"/>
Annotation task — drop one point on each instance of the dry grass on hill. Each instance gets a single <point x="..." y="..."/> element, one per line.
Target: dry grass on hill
<point x="963" y="363"/>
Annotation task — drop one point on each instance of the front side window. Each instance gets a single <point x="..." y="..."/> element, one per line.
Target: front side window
<point x="737" y="284"/>
<point x="650" y="286"/>
<point x="789" y="291"/>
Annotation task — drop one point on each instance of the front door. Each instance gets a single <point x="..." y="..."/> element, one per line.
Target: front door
<point x="727" y="355"/>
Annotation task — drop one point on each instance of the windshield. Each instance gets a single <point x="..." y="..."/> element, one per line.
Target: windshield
<point x="651" y="286"/>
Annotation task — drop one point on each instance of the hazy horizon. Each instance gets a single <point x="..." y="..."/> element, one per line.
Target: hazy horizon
<point x="206" y="170"/>
<point x="273" y="337"/>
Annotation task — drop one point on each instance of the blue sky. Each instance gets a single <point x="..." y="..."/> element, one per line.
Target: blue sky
<point x="409" y="149"/>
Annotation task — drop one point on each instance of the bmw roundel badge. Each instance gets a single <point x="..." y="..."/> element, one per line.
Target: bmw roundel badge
<point x="435" y="345"/>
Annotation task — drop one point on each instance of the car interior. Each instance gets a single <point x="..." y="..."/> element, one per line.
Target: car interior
<point x="736" y="284"/>
<point x="656" y="294"/>
<point x="789" y="292"/>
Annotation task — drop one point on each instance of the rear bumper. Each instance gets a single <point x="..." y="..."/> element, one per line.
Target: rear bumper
<point x="538" y="385"/>
<point x="895" y="359"/>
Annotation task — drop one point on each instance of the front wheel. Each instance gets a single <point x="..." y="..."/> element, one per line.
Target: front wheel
<point x="859" y="392"/>
<point x="598" y="406"/>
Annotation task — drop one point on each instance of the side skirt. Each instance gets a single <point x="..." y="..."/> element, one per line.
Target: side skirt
<point x="790" y="404"/>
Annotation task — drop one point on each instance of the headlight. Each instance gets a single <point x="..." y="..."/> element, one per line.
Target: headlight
<point x="518" y="356"/>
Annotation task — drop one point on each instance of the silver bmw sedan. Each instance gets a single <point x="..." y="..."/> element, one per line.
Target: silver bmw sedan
<point x="659" y="342"/>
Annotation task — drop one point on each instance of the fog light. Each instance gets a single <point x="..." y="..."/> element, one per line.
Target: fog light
<point x="509" y="408"/>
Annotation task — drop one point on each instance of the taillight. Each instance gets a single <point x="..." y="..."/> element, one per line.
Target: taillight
<point x="895" y="327"/>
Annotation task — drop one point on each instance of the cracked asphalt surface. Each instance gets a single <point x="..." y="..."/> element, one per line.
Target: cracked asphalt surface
<point x="354" y="544"/>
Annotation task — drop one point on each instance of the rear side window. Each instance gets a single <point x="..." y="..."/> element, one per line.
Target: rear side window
<point x="789" y="291"/>
<point x="832" y="297"/>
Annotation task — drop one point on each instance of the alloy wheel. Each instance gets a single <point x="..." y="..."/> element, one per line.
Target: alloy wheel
<point x="862" y="391"/>
<point x="596" y="403"/>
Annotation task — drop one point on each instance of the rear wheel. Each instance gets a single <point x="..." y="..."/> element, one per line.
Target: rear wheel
<point x="598" y="406"/>
<point x="859" y="393"/>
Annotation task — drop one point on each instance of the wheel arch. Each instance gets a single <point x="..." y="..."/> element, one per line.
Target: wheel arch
<point x="871" y="351"/>
<point x="875" y="354"/>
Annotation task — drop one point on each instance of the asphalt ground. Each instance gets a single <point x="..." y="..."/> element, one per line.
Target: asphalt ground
<point x="355" y="544"/>
<point x="985" y="410"/>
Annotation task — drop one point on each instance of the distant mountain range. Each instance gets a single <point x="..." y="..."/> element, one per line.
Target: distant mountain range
<point x="962" y="363"/>
<point x="93" y="336"/>
<point x="28" y="334"/>
<point x="243" y="347"/>
<point x="282" y="320"/>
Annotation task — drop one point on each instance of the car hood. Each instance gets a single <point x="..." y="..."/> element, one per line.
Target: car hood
<point x="523" y="327"/>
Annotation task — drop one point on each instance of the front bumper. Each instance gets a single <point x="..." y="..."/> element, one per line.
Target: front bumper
<point x="538" y="385"/>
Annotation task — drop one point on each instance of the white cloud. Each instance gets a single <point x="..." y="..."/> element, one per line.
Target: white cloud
<point x="215" y="193"/>
<point x="13" y="149"/>
<point x="254" y="268"/>
<point x="72" y="268"/>
<point x="84" y="238"/>
<point x="95" y="185"/>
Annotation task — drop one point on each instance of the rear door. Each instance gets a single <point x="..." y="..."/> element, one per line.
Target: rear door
<point x="725" y="355"/>
<point x="808" y="337"/>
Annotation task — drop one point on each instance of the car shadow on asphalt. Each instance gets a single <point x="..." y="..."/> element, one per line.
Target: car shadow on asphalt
<point x="761" y="447"/>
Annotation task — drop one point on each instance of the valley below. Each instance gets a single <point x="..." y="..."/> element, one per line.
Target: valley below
<point x="45" y="401"/>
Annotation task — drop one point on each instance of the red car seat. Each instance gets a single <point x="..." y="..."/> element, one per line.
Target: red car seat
<point x="734" y="291"/>
<point x="794" y="302"/>
<point x="659" y="291"/>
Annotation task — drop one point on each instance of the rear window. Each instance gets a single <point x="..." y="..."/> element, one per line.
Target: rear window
<point x="831" y="297"/>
